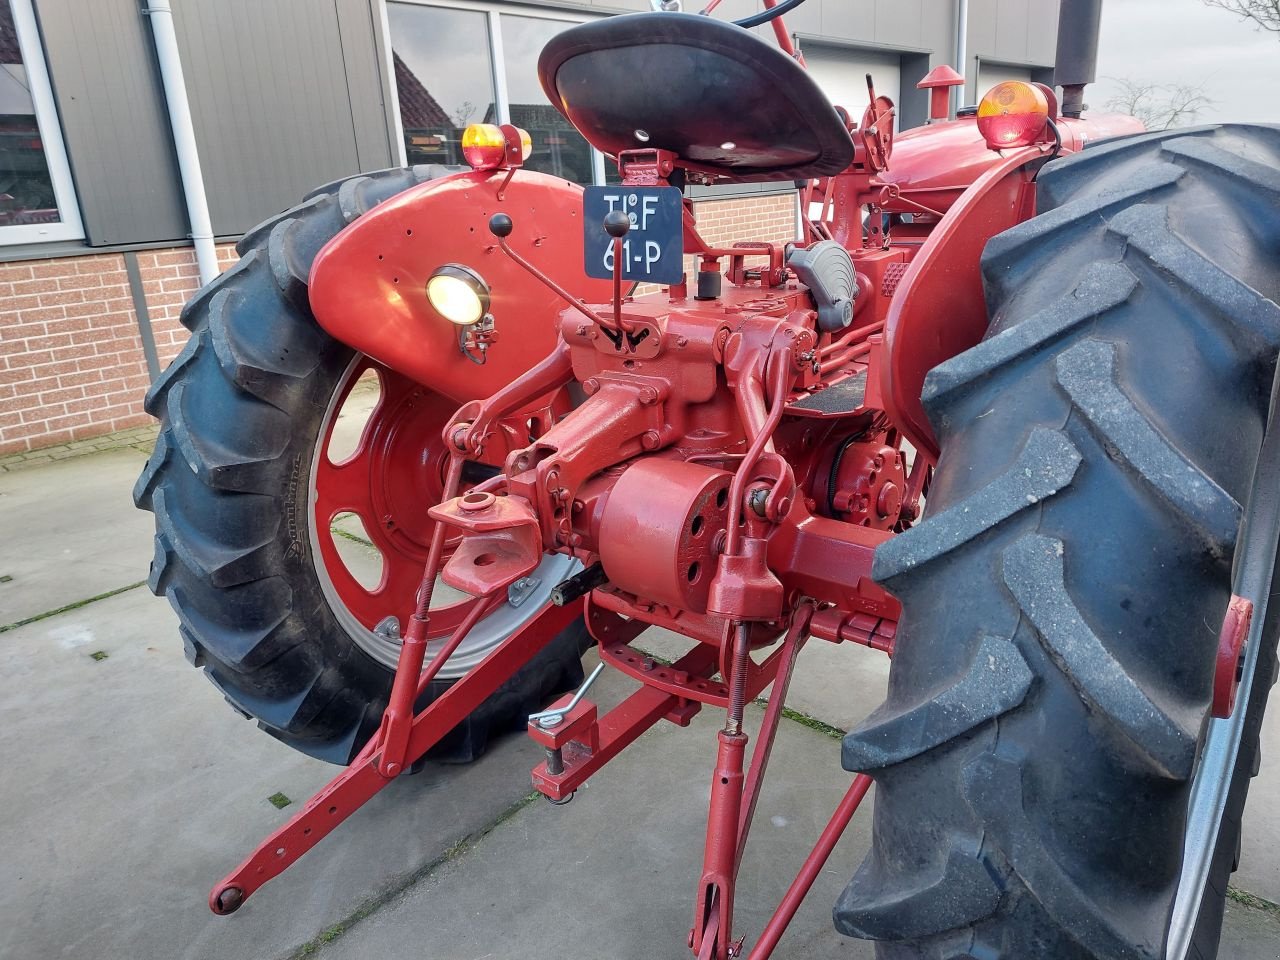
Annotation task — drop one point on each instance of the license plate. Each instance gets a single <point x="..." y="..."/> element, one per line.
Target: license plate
<point x="652" y="250"/>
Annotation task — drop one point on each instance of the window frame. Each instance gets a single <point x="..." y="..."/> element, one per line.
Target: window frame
<point x="69" y="225"/>
<point x="497" y="65"/>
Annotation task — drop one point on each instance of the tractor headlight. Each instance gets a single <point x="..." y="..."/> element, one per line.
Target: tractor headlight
<point x="458" y="294"/>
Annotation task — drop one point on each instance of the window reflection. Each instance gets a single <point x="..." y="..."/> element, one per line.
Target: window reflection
<point x="444" y="77"/>
<point x="557" y="147"/>
<point x="26" y="188"/>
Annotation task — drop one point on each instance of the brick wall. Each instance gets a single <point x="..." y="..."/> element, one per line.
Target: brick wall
<point x="723" y="223"/>
<point x="767" y="218"/>
<point x="71" y="360"/>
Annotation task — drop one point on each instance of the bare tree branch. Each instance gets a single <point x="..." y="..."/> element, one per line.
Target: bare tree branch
<point x="1159" y="106"/>
<point x="1264" y="13"/>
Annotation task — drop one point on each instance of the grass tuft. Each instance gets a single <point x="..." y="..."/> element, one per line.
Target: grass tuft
<point x="70" y="606"/>
<point x="98" y="655"/>
<point x="1246" y="899"/>
<point x="279" y="800"/>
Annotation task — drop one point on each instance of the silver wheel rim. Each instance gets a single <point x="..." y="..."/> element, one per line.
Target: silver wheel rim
<point x="1211" y="785"/>
<point x="483" y="638"/>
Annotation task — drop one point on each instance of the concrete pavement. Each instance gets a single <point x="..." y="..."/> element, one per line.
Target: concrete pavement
<point x="130" y="787"/>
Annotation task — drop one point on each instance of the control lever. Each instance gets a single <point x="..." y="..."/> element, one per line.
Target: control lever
<point x="553" y="718"/>
<point x="616" y="225"/>
<point x="501" y="225"/>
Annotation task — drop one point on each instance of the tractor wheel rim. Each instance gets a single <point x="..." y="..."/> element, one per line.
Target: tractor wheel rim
<point x="389" y="480"/>
<point x="1216" y="765"/>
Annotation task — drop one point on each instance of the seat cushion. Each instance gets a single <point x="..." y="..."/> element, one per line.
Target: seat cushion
<point x="717" y="96"/>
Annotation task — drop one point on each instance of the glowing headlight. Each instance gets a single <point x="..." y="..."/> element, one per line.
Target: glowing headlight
<point x="458" y="294"/>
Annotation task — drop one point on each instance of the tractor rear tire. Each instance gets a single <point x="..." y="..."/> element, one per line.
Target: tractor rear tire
<point x="240" y="410"/>
<point x="1062" y="601"/>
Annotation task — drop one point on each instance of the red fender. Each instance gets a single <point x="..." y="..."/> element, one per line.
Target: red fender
<point x="940" y="309"/>
<point x="368" y="284"/>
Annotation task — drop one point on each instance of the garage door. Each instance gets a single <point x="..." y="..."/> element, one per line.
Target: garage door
<point x="842" y="74"/>
<point x="989" y="74"/>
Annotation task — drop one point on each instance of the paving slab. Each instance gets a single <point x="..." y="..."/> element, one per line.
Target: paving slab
<point x="613" y="873"/>
<point x="70" y="531"/>
<point x="131" y="787"/>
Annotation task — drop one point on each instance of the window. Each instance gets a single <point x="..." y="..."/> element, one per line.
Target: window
<point x="470" y="63"/>
<point x="557" y="147"/>
<point x="444" y="77"/>
<point x="37" y="201"/>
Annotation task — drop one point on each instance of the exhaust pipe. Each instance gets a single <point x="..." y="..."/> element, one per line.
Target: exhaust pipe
<point x="1077" y="58"/>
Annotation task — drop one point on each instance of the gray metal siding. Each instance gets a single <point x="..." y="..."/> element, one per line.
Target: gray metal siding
<point x="105" y="81"/>
<point x="285" y="95"/>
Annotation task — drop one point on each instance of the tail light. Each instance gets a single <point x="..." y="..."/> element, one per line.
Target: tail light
<point x="485" y="146"/>
<point x="1013" y="114"/>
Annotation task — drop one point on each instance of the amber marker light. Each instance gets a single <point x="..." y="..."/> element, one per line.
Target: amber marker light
<point x="483" y="146"/>
<point x="1012" y="114"/>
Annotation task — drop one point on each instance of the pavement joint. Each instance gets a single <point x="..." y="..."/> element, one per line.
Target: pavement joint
<point x="139" y="438"/>
<point x="74" y="605"/>
<point x="1254" y="902"/>
<point x="393" y="890"/>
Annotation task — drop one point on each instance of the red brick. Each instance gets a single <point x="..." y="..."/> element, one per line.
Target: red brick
<point x="72" y="325"/>
<point x="76" y="377"/>
<point x="43" y="314"/>
<point x="61" y="297"/>
<point x="175" y="256"/>
<point x="24" y="287"/>
<point x="68" y="421"/>
<point x="92" y="308"/>
<point x="61" y="395"/>
<point x="29" y="301"/>
<point x="21" y="375"/>
<point x="52" y="268"/>
<point x="32" y="359"/>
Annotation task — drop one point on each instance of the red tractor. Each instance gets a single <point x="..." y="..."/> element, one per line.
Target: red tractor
<point x="1001" y="411"/>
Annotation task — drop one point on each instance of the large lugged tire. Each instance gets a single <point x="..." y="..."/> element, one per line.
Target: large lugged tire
<point x="1062" y="601"/>
<point x="241" y="410"/>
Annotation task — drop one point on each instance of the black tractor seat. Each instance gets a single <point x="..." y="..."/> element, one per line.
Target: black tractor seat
<point x="714" y="94"/>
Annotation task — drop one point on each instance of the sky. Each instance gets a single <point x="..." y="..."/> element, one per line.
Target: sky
<point x="1184" y="41"/>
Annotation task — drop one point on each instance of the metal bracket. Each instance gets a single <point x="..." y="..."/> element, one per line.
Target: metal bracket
<point x="521" y="590"/>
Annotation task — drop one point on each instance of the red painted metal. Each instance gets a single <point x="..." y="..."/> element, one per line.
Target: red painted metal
<point x="944" y="281"/>
<point x="809" y="871"/>
<point x="1232" y="640"/>
<point x="378" y="267"/>
<point x="585" y="753"/>
<point x="939" y="82"/>
<point x="399" y="461"/>
<point x="343" y="795"/>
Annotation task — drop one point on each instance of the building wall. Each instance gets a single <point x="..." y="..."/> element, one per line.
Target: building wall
<point x="71" y="357"/>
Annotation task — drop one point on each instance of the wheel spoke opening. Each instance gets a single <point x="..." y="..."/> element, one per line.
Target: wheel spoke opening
<point x="356" y="550"/>
<point x="357" y="409"/>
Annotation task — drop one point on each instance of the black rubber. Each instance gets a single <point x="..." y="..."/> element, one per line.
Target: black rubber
<point x="1062" y="600"/>
<point x="240" y="411"/>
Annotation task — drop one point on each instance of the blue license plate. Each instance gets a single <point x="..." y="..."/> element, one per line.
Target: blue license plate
<point x="652" y="250"/>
